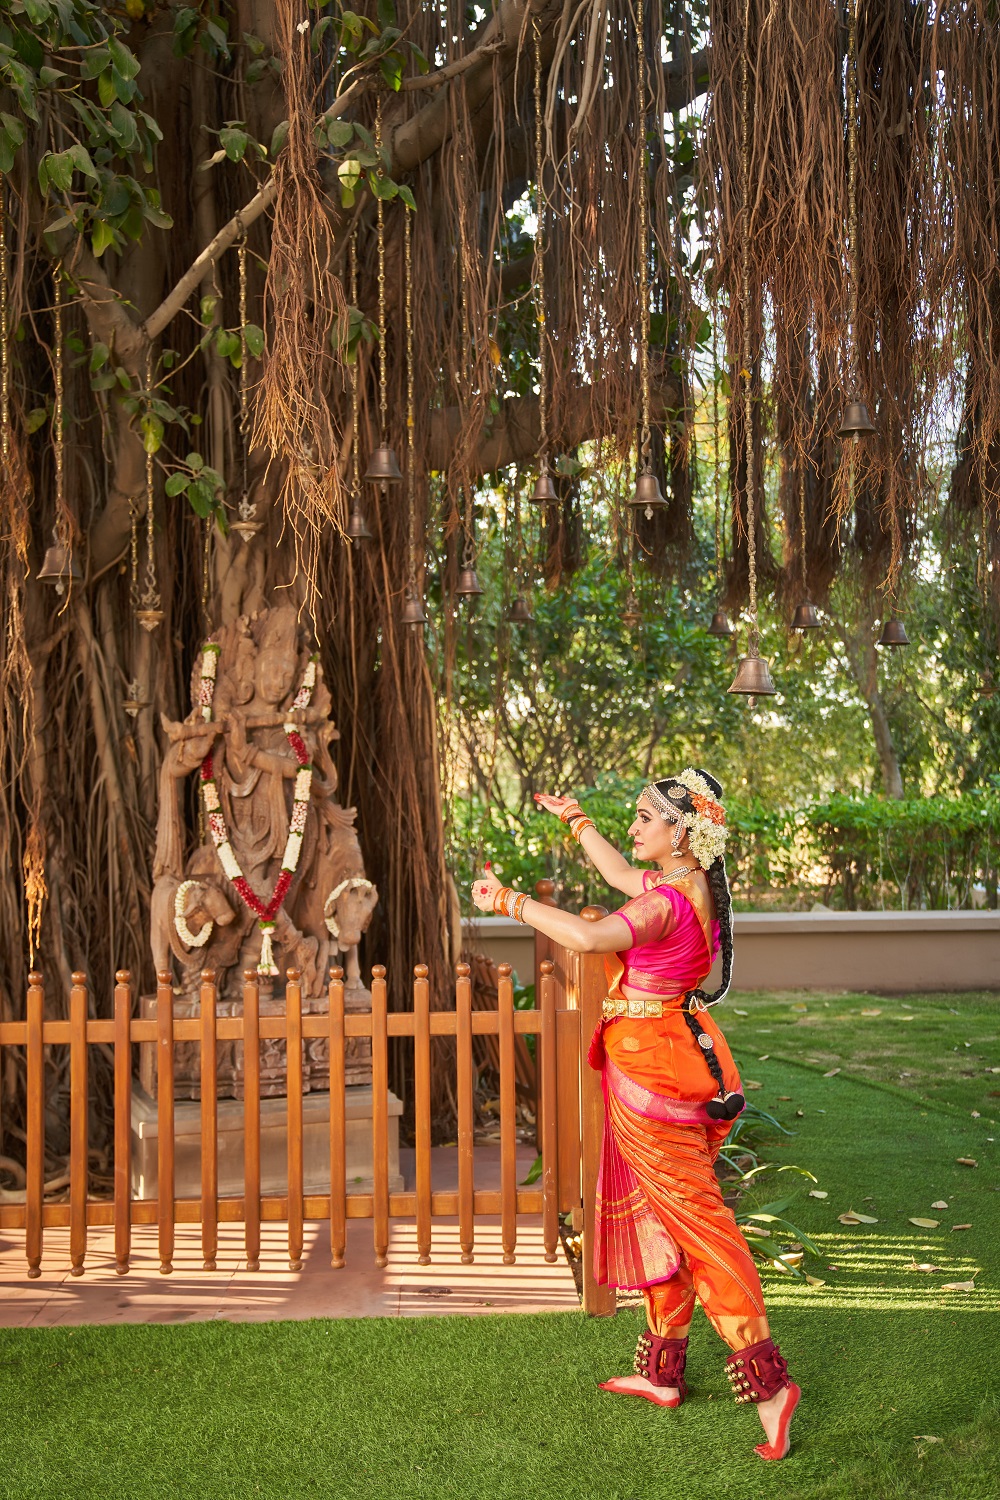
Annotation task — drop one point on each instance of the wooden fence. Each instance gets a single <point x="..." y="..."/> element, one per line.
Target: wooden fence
<point x="569" y="1116"/>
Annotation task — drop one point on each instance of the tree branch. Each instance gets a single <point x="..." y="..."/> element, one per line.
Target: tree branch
<point x="231" y="232"/>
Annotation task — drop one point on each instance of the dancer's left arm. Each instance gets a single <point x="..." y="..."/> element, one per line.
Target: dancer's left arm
<point x="609" y="935"/>
<point x="606" y="859"/>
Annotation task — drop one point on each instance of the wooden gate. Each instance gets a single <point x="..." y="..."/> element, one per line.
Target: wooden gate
<point x="568" y="1114"/>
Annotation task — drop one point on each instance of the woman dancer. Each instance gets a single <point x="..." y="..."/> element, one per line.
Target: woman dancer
<point x="671" y="1090"/>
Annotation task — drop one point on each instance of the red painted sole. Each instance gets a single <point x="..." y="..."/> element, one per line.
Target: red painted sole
<point x="671" y="1401"/>
<point x="779" y="1448"/>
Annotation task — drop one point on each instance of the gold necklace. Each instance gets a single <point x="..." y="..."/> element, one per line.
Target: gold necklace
<point x="675" y="874"/>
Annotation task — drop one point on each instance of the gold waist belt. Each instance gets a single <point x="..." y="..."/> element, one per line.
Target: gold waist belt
<point x="636" y="1010"/>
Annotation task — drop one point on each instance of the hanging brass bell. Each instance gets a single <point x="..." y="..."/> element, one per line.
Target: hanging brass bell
<point x="520" y="614"/>
<point x="357" y="526"/>
<point x="806" y="617"/>
<point x="631" y="616"/>
<point x="545" y="491"/>
<point x="413" y="610"/>
<point x="383" y="468"/>
<point x="856" y="422"/>
<point x="468" y="585"/>
<point x="753" y="678"/>
<point x="721" y="626"/>
<point x="893" y="634"/>
<point x="647" y="495"/>
<point x="59" y="567"/>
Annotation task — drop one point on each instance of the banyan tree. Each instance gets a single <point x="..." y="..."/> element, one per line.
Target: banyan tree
<point x="254" y="251"/>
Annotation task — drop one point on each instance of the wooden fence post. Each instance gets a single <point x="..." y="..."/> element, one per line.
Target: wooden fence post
<point x="78" y="1103"/>
<point x="380" y="1116"/>
<point x="338" y="1123"/>
<point x="293" y="1062"/>
<point x="165" y="1118"/>
<point x="123" y="1120"/>
<point x="508" y="1116"/>
<point x="251" y="1118"/>
<point x="35" y="1122"/>
<point x="548" y="1113"/>
<point x="209" y="1123"/>
<point x="422" y="1109"/>
<point x="598" y="1300"/>
<point x="466" y="1129"/>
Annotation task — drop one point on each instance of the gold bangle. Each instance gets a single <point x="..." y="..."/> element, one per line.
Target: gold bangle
<point x="519" y="904"/>
<point x="580" y="828"/>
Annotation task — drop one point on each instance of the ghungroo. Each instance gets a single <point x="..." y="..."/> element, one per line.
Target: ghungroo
<point x="661" y="1361"/>
<point x="757" y="1373"/>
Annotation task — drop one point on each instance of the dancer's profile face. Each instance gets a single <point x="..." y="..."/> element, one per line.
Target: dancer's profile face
<point x="652" y="835"/>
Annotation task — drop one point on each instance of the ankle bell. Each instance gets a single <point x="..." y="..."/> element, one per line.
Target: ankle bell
<point x="757" y="1373"/>
<point x="661" y="1361"/>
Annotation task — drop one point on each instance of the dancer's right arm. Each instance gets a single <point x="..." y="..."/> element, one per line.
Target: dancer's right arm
<point x="609" y="935"/>
<point x="609" y="862"/>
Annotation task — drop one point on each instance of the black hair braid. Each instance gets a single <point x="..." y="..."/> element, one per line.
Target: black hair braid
<point x="719" y="886"/>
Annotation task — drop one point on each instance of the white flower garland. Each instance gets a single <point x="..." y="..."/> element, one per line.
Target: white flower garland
<point x="188" y="938"/>
<point x="352" y="883"/>
<point x="706" y="826"/>
<point x="265" y="913"/>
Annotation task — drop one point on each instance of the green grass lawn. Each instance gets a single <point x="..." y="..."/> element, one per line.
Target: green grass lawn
<point x="899" y="1373"/>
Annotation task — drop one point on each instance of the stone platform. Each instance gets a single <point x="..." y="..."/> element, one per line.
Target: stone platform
<point x="273" y="1144"/>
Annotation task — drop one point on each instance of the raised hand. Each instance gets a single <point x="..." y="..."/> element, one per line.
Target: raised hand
<point x="556" y="805"/>
<point x="484" y="889"/>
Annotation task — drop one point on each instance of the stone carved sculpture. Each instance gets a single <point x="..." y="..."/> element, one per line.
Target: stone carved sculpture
<point x="260" y="718"/>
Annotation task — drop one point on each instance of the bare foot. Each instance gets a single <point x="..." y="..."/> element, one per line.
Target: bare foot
<point x="638" y="1385"/>
<point x="775" y="1418"/>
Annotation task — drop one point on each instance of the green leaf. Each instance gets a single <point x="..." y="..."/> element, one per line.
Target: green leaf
<point x="195" y="461"/>
<point x="103" y="237"/>
<point x="82" y="161"/>
<point x="279" y="138"/>
<point x="152" y="432"/>
<point x="99" y="356"/>
<point x="58" y="171"/>
<point x="234" y="142"/>
<point x="391" y="67"/>
<point x="407" y="196"/>
<point x="339" y="132"/>
<point x="37" y="11"/>
<point x="382" y="187"/>
<point x="125" y="61"/>
<point x="207" y="307"/>
<point x="255" y="339"/>
<point x="386" y="12"/>
<point x="176" y="482"/>
<point x="37" y="417"/>
<point x="201" y="498"/>
<point x="349" y="172"/>
<point x="106" y="89"/>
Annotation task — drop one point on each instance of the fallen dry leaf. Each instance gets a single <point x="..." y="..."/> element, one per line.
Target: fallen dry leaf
<point x="740" y="1012"/>
<point x="871" y="1012"/>
<point x="939" y="1204"/>
<point x="818" y="1193"/>
<point x="800" y="1007"/>
<point x="832" y="1073"/>
<point x="800" y="1113"/>
<point x="926" y="1223"/>
<point x="958" y="1286"/>
<point x="906" y="1018"/>
<point x="751" y="1083"/>
<point x="855" y="1218"/>
<point x="966" y="1161"/>
<point x="926" y="1437"/>
<point x="960" y="1226"/>
<point x="926" y="1266"/>
<point x="784" y="1098"/>
<point x="764" y="1058"/>
<point x="815" y="1281"/>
